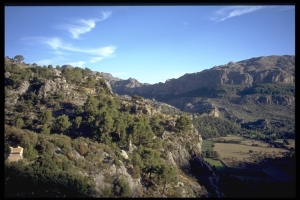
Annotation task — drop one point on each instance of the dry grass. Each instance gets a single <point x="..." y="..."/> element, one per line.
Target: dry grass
<point x="236" y="155"/>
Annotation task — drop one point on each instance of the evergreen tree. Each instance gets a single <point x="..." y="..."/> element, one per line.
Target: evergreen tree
<point x="63" y="123"/>
<point x="184" y="123"/>
<point x="46" y="116"/>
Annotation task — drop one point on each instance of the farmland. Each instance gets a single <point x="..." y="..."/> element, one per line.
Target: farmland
<point x="244" y="157"/>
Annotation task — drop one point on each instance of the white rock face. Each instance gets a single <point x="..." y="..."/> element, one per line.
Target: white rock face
<point x="124" y="154"/>
<point x="23" y="88"/>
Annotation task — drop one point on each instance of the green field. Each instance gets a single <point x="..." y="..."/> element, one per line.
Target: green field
<point x="239" y="152"/>
<point x="206" y="144"/>
<point x="216" y="163"/>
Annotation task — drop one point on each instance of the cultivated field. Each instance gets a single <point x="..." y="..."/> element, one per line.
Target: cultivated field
<point x="244" y="155"/>
<point x="237" y="155"/>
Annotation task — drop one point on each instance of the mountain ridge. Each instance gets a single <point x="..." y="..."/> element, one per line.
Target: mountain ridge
<point x="243" y="91"/>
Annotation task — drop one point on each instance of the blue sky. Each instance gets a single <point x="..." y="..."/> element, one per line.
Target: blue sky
<point x="148" y="43"/>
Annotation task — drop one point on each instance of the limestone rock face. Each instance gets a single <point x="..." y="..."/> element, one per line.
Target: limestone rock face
<point x="23" y="88"/>
<point x="53" y="86"/>
<point x="283" y="100"/>
<point x="270" y="69"/>
<point x="76" y="155"/>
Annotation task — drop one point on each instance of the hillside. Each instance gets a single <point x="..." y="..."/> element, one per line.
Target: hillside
<point x="82" y="140"/>
<point x="244" y="92"/>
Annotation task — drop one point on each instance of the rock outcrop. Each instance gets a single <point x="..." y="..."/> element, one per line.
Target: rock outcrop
<point x="206" y="174"/>
<point x="269" y="69"/>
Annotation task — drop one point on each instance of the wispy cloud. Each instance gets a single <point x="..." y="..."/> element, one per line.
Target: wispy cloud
<point x="83" y="25"/>
<point x="233" y="11"/>
<point x="54" y="61"/>
<point x="283" y="8"/>
<point x="60" y="47"/>
<point x="60" y="52"/>
<point x="95" y="59"/>
<point x="77" y="64"/>
<point x="184" y="23"/>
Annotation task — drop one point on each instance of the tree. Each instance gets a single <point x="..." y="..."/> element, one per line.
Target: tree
<point x="141" y="131"/>
<point x="91" y="105"/>
<point x="30" y="152"/>
<point x="155" y="124"/>
<point x="79" y="110"/>
<point x="184" y="123"/>
<point x="7" y="149"/>
<point x="91" y="81"/>
<point x="45" y="129"/>
<point x="63" y="123"/>
<point x="77" y="121"/>
<point x="166" y="174"/>
<point x="77" y="75"/>
<point x="87" y="72"/>
<point x="151" y="160"/>
<point x="19" y="58"/>
<point x="121" y="187"/>
<point x="106" y="124"/>
<point x="19" y="123"/>
<point x="46" y="116"/>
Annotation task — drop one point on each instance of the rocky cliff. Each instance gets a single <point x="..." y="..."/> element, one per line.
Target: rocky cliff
<point x="269" y="69"/>
<point x="239" y="91"/>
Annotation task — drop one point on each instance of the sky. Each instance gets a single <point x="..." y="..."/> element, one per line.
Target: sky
<point x="149" y="43"/>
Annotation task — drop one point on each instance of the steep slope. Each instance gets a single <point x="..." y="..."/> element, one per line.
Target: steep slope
<point x="270" y="69"/>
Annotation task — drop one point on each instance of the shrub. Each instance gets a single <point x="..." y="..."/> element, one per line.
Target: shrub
<point x="184" y="123"/>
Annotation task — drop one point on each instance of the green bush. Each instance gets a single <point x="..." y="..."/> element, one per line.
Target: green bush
<point x="184" y="123"/>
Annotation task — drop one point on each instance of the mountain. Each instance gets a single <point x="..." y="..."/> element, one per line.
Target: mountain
<point x="269" y="69"/>
<point x="243" y="92"/>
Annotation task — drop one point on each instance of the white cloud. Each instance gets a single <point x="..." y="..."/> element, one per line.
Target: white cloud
<point x="56" y="44"/>
<point x="95" y="59"/>
<point x="60" y="48"/>
<point x="233" y="11"/>
<point x="60" y="52"/>
<point x="77" y="64"/>
<point x="54" y="61"/>
<point x="83" y="26"/>
<point x="105" y="15"/>
<point x="44" y="62"/>
<point x="283" y="8"/>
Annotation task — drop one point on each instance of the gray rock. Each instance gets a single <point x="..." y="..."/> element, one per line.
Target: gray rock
<point x="24" y="87"/>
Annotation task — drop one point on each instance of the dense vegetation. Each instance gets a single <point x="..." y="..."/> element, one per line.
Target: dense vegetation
<point x="226" y="90"/>
<point x="269" y="89"/>
<point x="211" y="127"/>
